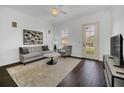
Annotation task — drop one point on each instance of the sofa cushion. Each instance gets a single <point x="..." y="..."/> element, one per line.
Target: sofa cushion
<point x="24" y="50"/>
<point x="35" y="49"/>
<point x="32" y="55"/>
<point x="45" y="48"/>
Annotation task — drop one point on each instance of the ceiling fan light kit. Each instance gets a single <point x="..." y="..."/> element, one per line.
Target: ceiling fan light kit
<point x="57" y="11"/>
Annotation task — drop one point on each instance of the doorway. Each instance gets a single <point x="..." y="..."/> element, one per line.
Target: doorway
<point x="90" y="40"/>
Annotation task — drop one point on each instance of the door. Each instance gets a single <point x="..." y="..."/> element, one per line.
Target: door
<point x="90" y="41"/>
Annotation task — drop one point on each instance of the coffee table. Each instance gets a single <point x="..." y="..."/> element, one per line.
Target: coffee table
<point x="51" y="55"/>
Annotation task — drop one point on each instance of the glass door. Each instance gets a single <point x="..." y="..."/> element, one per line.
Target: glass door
<point x="90" y="41"/>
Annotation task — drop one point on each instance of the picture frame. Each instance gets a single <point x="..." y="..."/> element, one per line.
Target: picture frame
<point x="31" y="37"/>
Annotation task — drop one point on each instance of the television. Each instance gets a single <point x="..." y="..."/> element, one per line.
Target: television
<point x="117" y="50"/>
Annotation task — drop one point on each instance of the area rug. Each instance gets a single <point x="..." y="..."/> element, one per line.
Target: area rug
<point x="39" y="74"/>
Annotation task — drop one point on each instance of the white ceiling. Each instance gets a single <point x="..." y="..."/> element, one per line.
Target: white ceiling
<point x="43" y="11"/>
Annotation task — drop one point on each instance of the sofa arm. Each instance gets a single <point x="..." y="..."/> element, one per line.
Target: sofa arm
<point x="21" y="58"/>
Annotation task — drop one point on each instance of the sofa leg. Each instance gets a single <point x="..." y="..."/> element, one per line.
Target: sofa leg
<point x="24" y="63"/>
<point x="64" y="56"/>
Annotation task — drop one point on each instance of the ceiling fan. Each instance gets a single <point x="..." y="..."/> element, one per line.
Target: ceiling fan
<point x="58" y="10"/>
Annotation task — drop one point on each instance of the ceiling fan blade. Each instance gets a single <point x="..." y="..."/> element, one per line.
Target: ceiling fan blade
<point x="60" y="5"/>
<point x="63" y="12"/>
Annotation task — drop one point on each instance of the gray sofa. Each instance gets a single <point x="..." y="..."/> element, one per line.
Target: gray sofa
<point x="65" y="51"/>
<point x="28" y="54"/>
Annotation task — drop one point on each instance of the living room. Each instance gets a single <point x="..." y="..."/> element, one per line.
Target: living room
<point x="64" y="20"/>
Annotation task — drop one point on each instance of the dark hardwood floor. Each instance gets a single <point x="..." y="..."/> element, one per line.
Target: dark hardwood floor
<point x="5" y="79"/>
<point x="87" y="73"/>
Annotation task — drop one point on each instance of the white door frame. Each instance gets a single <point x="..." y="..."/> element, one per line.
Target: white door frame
<point x="96" y="57"/>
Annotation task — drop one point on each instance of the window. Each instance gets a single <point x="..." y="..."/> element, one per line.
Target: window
<point x="90" y="31"/>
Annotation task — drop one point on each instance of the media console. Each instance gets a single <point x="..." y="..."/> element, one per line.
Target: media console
<point x="114" y="75"/>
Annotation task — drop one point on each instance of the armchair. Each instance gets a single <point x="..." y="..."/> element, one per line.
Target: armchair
<point x="65" y="51"/>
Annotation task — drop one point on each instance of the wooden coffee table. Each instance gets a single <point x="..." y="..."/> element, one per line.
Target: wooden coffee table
<point x="51" y="55"/>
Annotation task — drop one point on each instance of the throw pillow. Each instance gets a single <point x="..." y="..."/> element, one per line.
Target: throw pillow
<point x="45" y="48"/>
<point x="24" y="51"/>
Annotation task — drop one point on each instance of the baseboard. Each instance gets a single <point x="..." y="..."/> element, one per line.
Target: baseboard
<point x="10" y="65"/>
<point x="85" y="58"/>
<point x="76" y="57"/>
<point x="92" y="59"/>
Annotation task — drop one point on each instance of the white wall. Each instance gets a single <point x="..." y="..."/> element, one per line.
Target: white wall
<point x="118" y="21"/>
<point x="12" y="38"/>
<point x="75" y="32"/>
